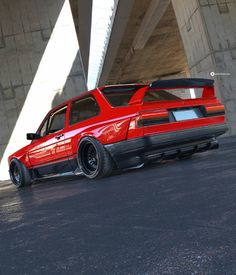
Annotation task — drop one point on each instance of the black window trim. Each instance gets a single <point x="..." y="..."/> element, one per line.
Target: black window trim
<point x="47" y="118"/>
<point x="53" y="114"/>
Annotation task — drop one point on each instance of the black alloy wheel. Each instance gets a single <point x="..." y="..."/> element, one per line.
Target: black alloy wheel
<point x="15" y="174"/>
<point x="93" y="159"/>
<point x="89" y="157"/>
<point x="19" y="174"/>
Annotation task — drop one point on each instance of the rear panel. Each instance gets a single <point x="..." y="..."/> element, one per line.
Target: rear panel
<point x="166" y="110"/>
<point x="166" y="105"/>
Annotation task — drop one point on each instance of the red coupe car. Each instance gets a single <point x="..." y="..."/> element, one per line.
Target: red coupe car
<point x="122" y="126"/>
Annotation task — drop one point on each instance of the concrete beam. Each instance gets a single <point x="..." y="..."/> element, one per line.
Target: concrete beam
<point x="152" y="17"/>
<point x="82" y="15"/>
<point x="123" y="12"/>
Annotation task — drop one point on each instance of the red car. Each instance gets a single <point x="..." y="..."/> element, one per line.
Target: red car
<point x="122" y="126"/>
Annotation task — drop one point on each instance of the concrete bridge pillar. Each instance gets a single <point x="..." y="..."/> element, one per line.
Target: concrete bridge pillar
<point x="207" y="29"/>
<point x="40" y="67"/>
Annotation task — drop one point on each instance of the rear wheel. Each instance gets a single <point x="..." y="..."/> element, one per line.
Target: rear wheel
<point x="93" y="159"/>
<point x="19" y="174"/>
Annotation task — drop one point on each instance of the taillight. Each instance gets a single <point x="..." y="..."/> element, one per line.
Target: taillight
<point x="214" y="110"/>
<point x="148" y="118"/>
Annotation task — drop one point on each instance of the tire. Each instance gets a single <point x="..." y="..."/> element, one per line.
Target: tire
<point x="19" y="174"/>
<point x="93" y="159"/>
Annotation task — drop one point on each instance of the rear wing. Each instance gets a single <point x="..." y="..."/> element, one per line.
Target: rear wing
<point x="187" y="83"/>
<point x="183" y="83"/>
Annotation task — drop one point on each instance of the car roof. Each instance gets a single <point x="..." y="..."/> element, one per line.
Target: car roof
<point x="158" y="83"/>
<point x="93" y="90"/>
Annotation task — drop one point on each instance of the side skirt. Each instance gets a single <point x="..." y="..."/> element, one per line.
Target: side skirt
<point x="58" y="169"/>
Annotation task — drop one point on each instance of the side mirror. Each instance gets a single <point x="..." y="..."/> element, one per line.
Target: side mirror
<point x="32" y="136"/>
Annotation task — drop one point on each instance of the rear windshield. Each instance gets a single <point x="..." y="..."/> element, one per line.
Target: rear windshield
<point x="120" y="96"/>
<point x="159" y="95"/>
<point x="172" y="94"/>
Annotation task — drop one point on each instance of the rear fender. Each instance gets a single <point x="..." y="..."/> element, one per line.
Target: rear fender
<point x="109" y="133"/>
<point x="106" y="133"/>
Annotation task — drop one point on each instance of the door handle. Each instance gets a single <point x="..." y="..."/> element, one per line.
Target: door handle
<point x="59" y="136"/>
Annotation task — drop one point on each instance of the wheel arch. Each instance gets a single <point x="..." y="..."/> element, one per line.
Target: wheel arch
<point x="93" y="158"/>
<point x="22" y="159"/>
<point x="93" y="137"/>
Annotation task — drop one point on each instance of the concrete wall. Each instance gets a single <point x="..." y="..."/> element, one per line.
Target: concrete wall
<point x="25" y="31"/>
<point x="39" y="60"/>
<point x="208" y="32"/>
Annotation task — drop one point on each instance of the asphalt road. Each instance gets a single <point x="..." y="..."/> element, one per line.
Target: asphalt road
<point x="178" y="217"/>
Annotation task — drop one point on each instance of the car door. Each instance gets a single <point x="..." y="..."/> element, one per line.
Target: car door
<point x="48" y="155"/>
<point x="82" y="115"/>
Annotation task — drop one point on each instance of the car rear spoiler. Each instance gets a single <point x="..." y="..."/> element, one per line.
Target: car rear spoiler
<point x="206" y="84"/>
<point x="183" y="83"/>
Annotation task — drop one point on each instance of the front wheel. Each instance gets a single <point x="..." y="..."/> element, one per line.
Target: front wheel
<point x="19" y="174"/>
<point x="93" y="159"/>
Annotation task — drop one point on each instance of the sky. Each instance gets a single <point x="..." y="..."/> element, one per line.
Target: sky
<point x="102" y="11"/>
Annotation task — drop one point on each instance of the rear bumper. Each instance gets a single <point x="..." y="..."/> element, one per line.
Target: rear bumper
<point x="136" y="151"/>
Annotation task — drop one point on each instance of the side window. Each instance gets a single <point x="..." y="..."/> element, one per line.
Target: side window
<point x="57" y="121"/>
<point x="43" y="131"/>
<point x="83" y="109"/>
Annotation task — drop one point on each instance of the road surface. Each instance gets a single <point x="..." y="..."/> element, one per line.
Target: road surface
<point x="177" y="217"/>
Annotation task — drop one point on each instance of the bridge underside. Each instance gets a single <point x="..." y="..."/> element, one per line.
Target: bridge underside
<point x="145" y="52"/>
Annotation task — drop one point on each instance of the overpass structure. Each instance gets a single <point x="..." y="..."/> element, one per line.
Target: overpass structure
<point x="156" y="39"/>
<point x="42" y="63"/>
